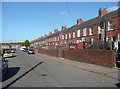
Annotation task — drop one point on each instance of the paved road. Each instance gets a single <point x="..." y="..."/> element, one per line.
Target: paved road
<point x="35" y="71"/>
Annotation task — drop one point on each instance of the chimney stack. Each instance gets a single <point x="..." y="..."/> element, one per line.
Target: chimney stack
<point x="63" y="27"/>
<point x="79" y="21"/>
<point x="56" y="30"/>
<point x="45" y="35"/>
<point x="50" y="33"/>
<point x="102" y="12"/>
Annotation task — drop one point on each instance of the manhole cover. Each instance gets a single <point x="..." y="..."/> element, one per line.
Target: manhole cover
<point x="44" y="75"/>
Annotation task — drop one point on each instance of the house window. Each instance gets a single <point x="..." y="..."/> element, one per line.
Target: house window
<point x="55" y="38"/>
<point x="66" y="36"/>
<point x="110" y="25"/>
<point x="84" y="32"/>
<point x="92" y="39"/>
<point x="90" y="31"/>
<point x="83" y="39"/>
<point x="69" y="35"/>
<point x="62" y="36"/>
<point x="73" y="34"/>
<point x="99" y="30"/>
<point x="78" y="33"/>
<point x="58" y="38"/>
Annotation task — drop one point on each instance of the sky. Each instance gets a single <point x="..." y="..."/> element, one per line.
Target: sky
<point x="29" y="20"/>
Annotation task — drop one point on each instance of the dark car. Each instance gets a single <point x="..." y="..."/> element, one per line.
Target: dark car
<point x="30" y="51"/>
<point x="3" y="65"/>
<point x="13" y="50"/>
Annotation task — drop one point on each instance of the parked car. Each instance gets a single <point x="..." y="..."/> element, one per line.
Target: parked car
<point x="22" y="48"/>
<point x="30" y="51"/>
<point x="3" y="64"/>
<point x="7" y="54"/>
<point x="13" y="50"/>
<point x="25" y="50"/>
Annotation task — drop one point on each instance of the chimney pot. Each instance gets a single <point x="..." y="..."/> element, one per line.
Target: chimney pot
<point x="50" y="33"/>
<point x="102" y="12"/>
<point x="79" y="21"/>
<point x="63" y="27"/>
<point x="56" y="30"/>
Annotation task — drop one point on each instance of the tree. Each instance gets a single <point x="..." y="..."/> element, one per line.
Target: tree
<point x="27" y="43"/>
<point x="22" y="44"/>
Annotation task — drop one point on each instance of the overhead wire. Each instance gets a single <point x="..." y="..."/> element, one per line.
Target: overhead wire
<point x="48" y="14"/>
<point x="67" y="8"/>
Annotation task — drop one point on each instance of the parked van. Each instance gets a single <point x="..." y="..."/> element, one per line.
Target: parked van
<point x="22" y="48"/>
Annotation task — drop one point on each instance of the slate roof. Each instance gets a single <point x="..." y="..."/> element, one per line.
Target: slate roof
<point x="94" y="21"/>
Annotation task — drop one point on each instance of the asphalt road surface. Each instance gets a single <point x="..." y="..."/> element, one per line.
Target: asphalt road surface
<point x="35" y="71"/>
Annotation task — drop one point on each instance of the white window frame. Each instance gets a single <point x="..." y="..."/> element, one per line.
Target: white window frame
<point x="58" y="38"/>
<point x="63" y="37"/>
<point x="69" y="35"/>
<point x="92" y="39"/>
<point x="109" y="25"/>
<point x="55" y="38"/>
<point x="90" y="31"/>
<point x="73" y="34"/>
<point x="83" y="39"/>
<point x="66" y="36"/>
<point x="84" y="31"/>
<point x="99" y="30"/>
<point x="78" y="33"/>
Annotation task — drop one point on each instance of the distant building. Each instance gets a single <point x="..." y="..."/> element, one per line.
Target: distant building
<point x="9" y="45"/>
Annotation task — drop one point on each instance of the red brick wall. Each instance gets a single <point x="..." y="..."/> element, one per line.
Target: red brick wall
<point x="98" y="57"/>
<point x="52" y="52"/>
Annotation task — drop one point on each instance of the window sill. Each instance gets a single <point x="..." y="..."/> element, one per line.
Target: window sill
<point x="110" y="30"/>
<point x="90" y="34"/>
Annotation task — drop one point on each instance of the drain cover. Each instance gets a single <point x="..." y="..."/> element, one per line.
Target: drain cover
<point x="44" y="75"/>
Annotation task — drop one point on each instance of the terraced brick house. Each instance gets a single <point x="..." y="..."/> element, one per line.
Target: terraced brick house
<point x="104" y="28"/>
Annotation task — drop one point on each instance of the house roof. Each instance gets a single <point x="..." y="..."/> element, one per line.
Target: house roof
<point x="94" y="21"/>
<point x="90" y="22"/>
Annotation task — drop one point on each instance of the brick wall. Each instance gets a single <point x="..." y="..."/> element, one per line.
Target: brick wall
<point x="52" y="52"/>
<point x="98" y="57"/>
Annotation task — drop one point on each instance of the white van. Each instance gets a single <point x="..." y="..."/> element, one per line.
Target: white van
<point x="22" y="48"/>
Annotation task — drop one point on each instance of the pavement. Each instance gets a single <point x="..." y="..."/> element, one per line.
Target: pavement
<point x="105" y="71"/>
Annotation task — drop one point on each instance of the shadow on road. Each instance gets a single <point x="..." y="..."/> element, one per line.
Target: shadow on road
<point x="10" y="73"/>
<point x="118" y="85"/>
<point x="7" y="86"/>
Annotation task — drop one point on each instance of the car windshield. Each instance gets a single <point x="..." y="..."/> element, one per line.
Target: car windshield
<point x="30" y="49"/>
<point x="7" y="52"/>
